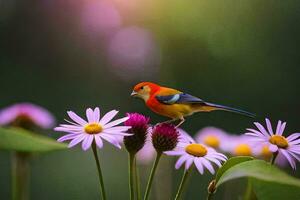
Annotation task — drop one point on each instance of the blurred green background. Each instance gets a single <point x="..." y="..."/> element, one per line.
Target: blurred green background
<point x="70" y="55"/>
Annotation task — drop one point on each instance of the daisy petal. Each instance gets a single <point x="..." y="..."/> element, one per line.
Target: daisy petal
<point x="269" y="126"/>
<point x="199" y="166"/>
<point x="90" y="115"/>
<point x="282" y="128"/>
<point x="273" y="148"/>
<point x="111" y="140"/>
<point x="116" y="122"/>
<point x="289" y="158"/>
<point x="97" y="114"/>
<point x="180" y="161"/>
<point x="188" y="163"/>
<point x="76" y="118"/>
<point x="293" y="137"/>
<point x="174" y="153"/>
<point x="208" y="165"/>
<point x="67" y="137"/>
<point x="278" y="126"/>
<point x="108" y="116"/>
<point x="217" y="162"/>
<point x="261" y="129"/>
<point x="87" y="142"/>
<point x="117" y="129"/>
<point x="98" y="141"/>
<point x="77" y="140"/>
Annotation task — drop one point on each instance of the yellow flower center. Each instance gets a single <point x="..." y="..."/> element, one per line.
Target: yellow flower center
<point x="93" y="128"/>
<point x="212" y="141"/>
<point x="279" y="140"/>
<point x="197" y="150"/>
<point x="266" y="153"/>
<point x="242" y="150"/>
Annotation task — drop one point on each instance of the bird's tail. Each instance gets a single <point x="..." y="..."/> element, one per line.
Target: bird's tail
<point x="213" y="106"/>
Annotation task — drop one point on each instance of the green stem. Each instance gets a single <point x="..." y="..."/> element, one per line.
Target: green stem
<point x="102" y="189"/>
<point x="182" y="184"/>
<point x="137" y="181"/>
<point x="150" y="180"/>
<point x="131" y="175"/>
<point x="274" y="158"/>
<point x="210" y="196"/>
<point x="20" y="176"/>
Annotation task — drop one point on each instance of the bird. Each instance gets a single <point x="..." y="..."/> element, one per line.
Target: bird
<point x="175" y="104"/>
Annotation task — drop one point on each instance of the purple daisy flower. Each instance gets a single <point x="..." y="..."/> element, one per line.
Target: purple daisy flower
<point x="289" y="146"/>
<point x="241" y="145"/>
<point x="26" y="114"/>
<point x="191" y="152"/>
<point x="213" y="137"/>
<point x="94" y="129"/>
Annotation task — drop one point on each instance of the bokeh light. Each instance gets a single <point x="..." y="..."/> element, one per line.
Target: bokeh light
<point x="134" y="53"/>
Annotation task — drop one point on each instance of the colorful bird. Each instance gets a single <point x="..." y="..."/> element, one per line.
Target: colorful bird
<point x="176" y="104"/>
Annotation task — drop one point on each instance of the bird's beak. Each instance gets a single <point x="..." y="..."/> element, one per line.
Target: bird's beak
<point x="133" y="93"/>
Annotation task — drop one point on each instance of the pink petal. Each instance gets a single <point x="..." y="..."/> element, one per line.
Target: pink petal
<point x="97" y="114"/>
<point x="273" y="148"/>
<point x="180" y="161"/>
<point x="110" y="139"/>
<point x="62" y="129"/>
<point x="108" y="116"/>
<point x="289" y="158"/>
<point x="262" y="129"/>
<point x="217" y="162"/>
<point x="87" y="142"/>
<point x="208" y="165"/>
<point x="295" y="142"/>
<point x="269" y="126"/>
<point x="282" y="128"/>
<point x="77" y="140"/>
<point x="174" y="153"/>
<point x="278" y="126"/>
<point x="90" y="115"/>
<point x="116" y="122"/>
<point x="293" y="137"/>
<point x="257" y="132"/>
<point x="76" y="118"/>
<point x="199" y="166"/>
<point x="98" y="141"/>
<point x="117" y="129"/>
<point x="188" y="163"/>
<point x="67" y="137"/>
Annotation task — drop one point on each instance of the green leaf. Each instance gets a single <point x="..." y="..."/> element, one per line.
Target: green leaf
<point x="25" y="141"/>
<point x="230" y="163"/>
<point x="268" y="181"/>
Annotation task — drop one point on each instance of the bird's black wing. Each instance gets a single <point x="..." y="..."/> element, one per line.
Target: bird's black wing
<point x="181" y="98"/>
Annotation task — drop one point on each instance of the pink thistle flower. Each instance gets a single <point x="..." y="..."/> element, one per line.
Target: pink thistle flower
<point x="289" y="146"/>
<point x="94" y="129"/>
<point x="139" y="127"/>
<point x="164" y="137"/>
<point x="200" y="155"/>
<point x="25" y="115"/>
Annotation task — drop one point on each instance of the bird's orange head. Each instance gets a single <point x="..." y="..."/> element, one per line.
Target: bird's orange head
<point x="144" y="90"/>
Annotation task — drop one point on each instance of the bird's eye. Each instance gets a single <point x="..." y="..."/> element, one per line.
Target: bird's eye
<point x="142" y="87"/>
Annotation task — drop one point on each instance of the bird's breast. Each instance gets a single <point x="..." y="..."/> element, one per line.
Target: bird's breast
<point x="174" y="111"/>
